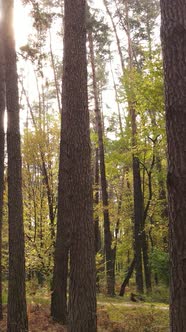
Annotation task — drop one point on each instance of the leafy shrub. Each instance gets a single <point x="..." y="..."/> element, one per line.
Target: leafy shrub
<point x="159" y="261"/>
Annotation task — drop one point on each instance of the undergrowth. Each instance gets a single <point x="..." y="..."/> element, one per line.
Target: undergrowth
<point x="115" y="314"/>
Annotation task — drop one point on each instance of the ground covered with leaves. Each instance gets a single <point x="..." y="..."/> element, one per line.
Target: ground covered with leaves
<point x="113" y="316"/>
<point x="39" y="320"/>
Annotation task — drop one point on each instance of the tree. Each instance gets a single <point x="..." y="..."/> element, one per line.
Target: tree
<point x="17" y="315"/>
<point x="2" y="143"/>
<point x="75" y="219"/>
<point x="138" y="195"/>
<point x="174" y="48"/>
<point x="137" y="20"/>
<point x="106" y="4"/>
<point x="104" y="186"/>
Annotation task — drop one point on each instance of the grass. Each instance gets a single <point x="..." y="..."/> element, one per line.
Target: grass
<point x="115" y="314"/>
<point x="138" y="317"/>
<point x="128" y="316"/>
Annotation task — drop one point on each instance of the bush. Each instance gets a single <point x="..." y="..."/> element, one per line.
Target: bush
<point x="159" y="261"/>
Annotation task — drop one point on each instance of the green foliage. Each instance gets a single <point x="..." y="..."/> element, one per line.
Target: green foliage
<point x="159" y="261"/>
<point x="160" y="294"/>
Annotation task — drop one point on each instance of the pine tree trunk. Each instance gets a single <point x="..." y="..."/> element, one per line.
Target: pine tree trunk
<point x="75" y="215"/>
<point x="17" y="315"/>
<point x="173" y="34"/>
<point x="138" y="197"/>
<point x="82" y="289"/>
<point x="2" y="143"/>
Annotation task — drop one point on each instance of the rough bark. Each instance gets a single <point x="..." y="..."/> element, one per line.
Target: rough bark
<point x="173" y="33"/>
<point x="17" y="315"/>
<point x="110" y="268"/>
<point x="2" y="143"/>
<point x="75" y="213"/>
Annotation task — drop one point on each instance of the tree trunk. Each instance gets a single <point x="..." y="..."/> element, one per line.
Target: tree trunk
<point x="173" y="34"/>
<point x="110" y="268"/>
<point x="96" y="218"/>
<point x="50" y="196"/>
<point x="75" y="213"/>
<point x="2" y="143"/>
<point x="146" y="264"/>
<point x="118" y="219"/>
<point x="138" y="217"/>
<point x="116" y="97"/>
<point x="17" y="315"/>
<point x="96" y="201"/>
<point x="162" y="190"/>
<point x="144" y="237"/>
<point x="138" y="197"/>
<point x="116" y="36"/>
<point x="127" y="278"/>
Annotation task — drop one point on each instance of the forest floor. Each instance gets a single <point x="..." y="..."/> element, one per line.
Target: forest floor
<point x="114" y="315"/>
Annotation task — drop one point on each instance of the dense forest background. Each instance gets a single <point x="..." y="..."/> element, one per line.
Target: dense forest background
<point x="125" y="68"/>
<point x="128" y="144"/>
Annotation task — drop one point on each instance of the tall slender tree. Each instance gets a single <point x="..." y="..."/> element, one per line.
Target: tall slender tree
<point x="17" y="315"/>
<point x="173" y="35"/>
<point x="2" y="143"/>
<point x="110" y="269"/>
<point x="138" y="196"/>
<point x="137" y="20"/>
<point x="75" y="229"/>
